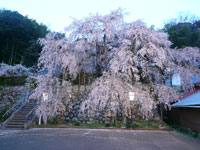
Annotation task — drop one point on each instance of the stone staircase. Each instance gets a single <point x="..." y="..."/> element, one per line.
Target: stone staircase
<point x="23" y="118"/>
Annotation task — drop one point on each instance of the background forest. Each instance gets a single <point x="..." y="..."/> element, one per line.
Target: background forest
<point x="18" y="38"/>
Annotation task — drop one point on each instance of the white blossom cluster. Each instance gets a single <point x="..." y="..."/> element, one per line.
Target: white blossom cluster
<point x="187" y="64"/>
<point x="58" y="95"/>
<point x="57" y="53"/>
<point x="17" y="70"/>
<point x="111" y="93"/>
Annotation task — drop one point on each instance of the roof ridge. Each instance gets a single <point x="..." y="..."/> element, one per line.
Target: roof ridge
<point x="185" y="95"/>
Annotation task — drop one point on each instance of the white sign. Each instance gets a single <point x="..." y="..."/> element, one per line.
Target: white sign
<point x="176" y="79"/>
<point x="45" y="96"/>
<point x="131" y="96"/>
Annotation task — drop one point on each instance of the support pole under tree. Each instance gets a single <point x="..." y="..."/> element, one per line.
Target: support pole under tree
<point x="62" y="117"/>
<point x="161" y="114"/>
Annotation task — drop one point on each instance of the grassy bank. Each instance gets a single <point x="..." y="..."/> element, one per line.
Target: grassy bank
<point x="141" y="125"/>
<point x="185" y="132"/>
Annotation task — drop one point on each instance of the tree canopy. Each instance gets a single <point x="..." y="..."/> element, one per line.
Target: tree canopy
<point x="18" y="38"/>
<point x="132" y="57"/>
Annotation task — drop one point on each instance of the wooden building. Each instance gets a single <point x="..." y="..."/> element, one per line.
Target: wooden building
<point x="186" y="112"/>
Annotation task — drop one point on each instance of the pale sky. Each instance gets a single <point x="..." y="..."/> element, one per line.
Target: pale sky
<point x="57" y="14"/>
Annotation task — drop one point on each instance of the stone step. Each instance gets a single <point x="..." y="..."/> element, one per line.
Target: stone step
<point x="30" y="107"/>
<point x="20" y="115"/>
<point x="24" y="109"/>
<point x="15" y="123"/>
<point x="14" y="126"/>
<point x="18" y="118"/>
<point x="31" y="104"/>
<point x="23" y="112"/>
<point x="27" y="108"/>
<point x="20" y="121"/>
<point x="27" y="111"/>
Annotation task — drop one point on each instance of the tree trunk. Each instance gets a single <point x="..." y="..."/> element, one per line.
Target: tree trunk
<point x="79" y="81"/>
<point x="62" y="117"/>
<point x="84" y="76"/>
<point x="7" y="58"/>
<point x="22" y="59"/>
<point x="98" y="59"/>
<point x="12" y="53"/>
<point x="104" y="46"/>
<point x="93" y="68"/>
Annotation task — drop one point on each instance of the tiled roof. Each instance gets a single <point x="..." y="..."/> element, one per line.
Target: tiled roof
<point x="189" y="99"/>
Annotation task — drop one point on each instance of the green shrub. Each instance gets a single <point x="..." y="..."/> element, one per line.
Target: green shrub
<point x="1" y="87"/>
<point x="12" y="81"/>
<point x="107" y="125"/>
<point x="129" y="124"/>
<point x="118" y="125"/>
<point x="54" y="121"/>
<point x="2" y="112"/>
<point x="77" y="124"/>
<point x="32" y="86"/>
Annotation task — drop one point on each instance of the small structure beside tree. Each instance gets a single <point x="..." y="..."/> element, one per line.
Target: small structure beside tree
<point x="186" y="112"/>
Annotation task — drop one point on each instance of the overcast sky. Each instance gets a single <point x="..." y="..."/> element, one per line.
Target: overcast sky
<point x="57" y="14"/>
